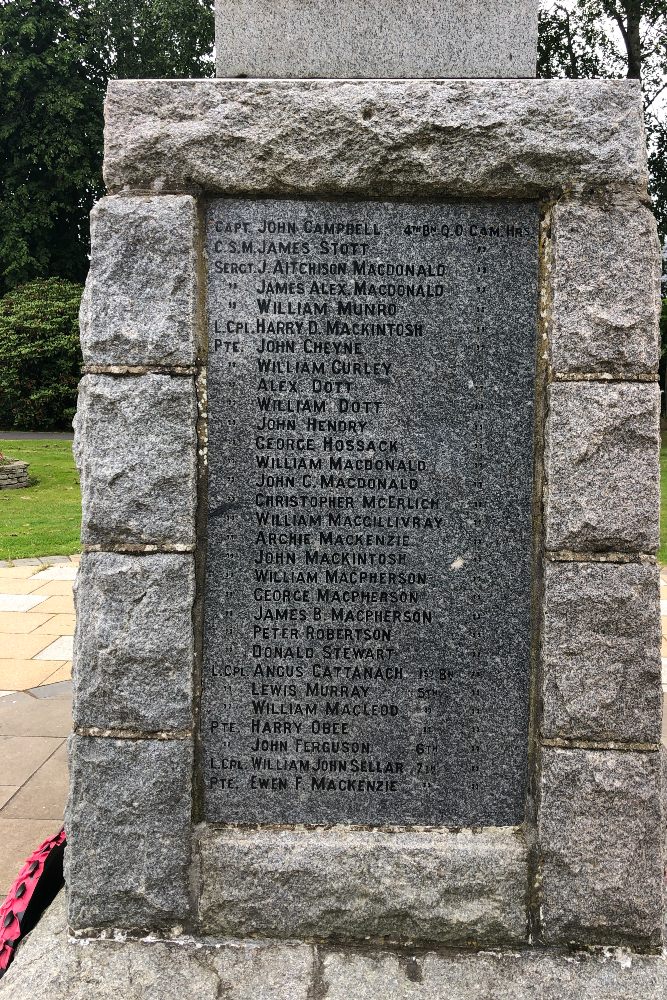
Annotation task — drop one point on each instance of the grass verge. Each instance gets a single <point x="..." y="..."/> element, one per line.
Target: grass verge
<point x="45" y="519"/>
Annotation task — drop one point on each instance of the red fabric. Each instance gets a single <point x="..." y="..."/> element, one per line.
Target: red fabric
<point x="25" y="889"/>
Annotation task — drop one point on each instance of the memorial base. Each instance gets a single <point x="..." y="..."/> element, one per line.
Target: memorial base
<point x="50" y="966"/>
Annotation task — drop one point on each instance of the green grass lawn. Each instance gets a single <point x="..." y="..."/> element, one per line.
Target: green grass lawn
<point x="45" y="519"/>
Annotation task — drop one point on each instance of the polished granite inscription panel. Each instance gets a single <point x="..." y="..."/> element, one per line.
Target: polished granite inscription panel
<point x="370" y="465"/>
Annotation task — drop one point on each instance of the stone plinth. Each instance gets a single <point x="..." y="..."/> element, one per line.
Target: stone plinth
<point x="49" y="967"/>
<point x="376" y="38"/>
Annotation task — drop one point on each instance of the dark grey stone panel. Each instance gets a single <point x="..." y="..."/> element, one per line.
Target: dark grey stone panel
<point x="128" y="832"/>
<point x="370" y="386"/>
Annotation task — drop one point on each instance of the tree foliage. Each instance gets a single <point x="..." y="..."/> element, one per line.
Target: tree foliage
<point x="40" y="356"/>
<point x="615" y="38"/>
<point x="56" y="57"/>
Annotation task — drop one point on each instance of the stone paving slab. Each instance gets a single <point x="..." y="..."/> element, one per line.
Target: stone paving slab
<point x="36" y="636"/>
<point x="44" y="795"/>
<point x="22" y="713"/>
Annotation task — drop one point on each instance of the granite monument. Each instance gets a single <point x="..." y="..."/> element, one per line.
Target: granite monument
<point x="367" y="658"/>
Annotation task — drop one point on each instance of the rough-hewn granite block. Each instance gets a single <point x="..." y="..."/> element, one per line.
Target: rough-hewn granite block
<point x="49" y="967"/>
<point x="399" y="138"/>
<point x="349" y="885"/>
<point x="602" y="467"/>
<point x="606" y="280"/>
<point x="140" y="302"/>
<point x="128" y="832"/>
<point x="377" y="38"/>
<point x="601" y="847"/>
<point x="134" y="647"/>
<point x="135" y="446"/>
<point x="601" y="652"/>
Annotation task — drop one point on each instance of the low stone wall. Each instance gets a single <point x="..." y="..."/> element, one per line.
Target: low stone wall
<point x="14" y="476"/>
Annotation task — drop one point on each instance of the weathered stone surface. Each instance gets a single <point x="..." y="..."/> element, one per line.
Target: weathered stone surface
<point x="606" y="280"/>
<point x="135" y="447"/>
<point x="348" y="885"/>
<point x="379" y="38"/>
<point x="134" y="648"/>
<point x="128" y="832"/>
<point x="465" y="137"/>
<point x="140" y="302"/>
<point x="537" y="975"/>
<point x="601" y="847"/>
<point x="602" y="467"/>
<point x="49" y="967"/>
<point x="601" y="652"/>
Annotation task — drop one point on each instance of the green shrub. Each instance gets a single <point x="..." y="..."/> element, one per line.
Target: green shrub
<point x="40" y="357"/>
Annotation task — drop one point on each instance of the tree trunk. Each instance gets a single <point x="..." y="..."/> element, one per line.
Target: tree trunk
<point x="632" y="36"/>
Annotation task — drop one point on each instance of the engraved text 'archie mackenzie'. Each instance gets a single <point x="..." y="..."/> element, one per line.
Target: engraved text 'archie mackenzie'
<point x="367" y="637"/>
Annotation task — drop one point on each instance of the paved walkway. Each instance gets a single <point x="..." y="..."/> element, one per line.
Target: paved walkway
<point x="36" y="629"/>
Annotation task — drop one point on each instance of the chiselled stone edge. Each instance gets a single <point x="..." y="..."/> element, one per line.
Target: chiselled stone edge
<point x="499" y="854"/>
<point x="548" y="377"/>
<point x="191" y="372"/>
<point x="633" y="355"/>
<point x="385" y="138"/>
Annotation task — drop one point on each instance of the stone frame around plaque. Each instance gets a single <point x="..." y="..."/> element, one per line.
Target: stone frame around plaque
<point x="586" y="866"/>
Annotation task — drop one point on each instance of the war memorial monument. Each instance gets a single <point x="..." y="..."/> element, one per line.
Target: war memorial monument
<point x="367" y="680"/>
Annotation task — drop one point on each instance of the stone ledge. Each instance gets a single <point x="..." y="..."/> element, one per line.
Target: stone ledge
<point x="49" y="967"/>
<point x="14" y="475"/>
<point x="467" y="138"/>
<point x="350" y="885"/>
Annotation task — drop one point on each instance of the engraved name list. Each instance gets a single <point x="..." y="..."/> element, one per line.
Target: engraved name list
<point x="370" y="391"/>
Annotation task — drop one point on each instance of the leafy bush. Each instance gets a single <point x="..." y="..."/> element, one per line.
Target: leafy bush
<point x="40" y="357"/>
